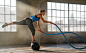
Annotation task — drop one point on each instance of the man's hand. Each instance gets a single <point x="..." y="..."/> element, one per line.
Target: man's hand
<point x="50" y="22"/>
<point x="39" y="29"/>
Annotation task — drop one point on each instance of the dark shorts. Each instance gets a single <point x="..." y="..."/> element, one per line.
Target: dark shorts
<point x="28" y="22"/>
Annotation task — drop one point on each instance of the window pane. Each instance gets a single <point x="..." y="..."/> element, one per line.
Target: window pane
<point x="75" y="21"/>
<point x="62" y="6"/>
<point x="1" y="2"/>
<point x="66" y="13"/>
<point x="66" y="6"/>
<point x="58" y="13"/>
<point x="85" y="21"/>
<point x="7" y="9"/>
<point x="58" y="21"/>
<point x="82" y="7"/>
<point x="13" y="2"/>
<point x="74" y="6"/>
<point x="54" y="28"/>
<point x="7" y="2"/>
<point x="74" y="14"/>
<point x="13" y="10"/>
<point x="53" y="5"/>
<point x="13" y="27"/>
<point x="78" y="7"/>
<point x="8" y="28"/>
<point x="49" y="13"/>
<point x="13" y="18"/>
<point x="58" y="6"/>
<point x="1" y="9"/>
<point x="70" y="27"/>
<point x="85" y="7"/>
<point x="75" y="28"/>
<point x="49" y="5"/>
<point x="71" y="20"/>
<point x="53" y="12"/>
<point x="1" y="18"/>
<point x="78" y="27"/>
<point x="85" y="15"/>
<point x="62" y="20"/>
<point x="70" y="7"/>
<point x="49" y="19"/>
<point x="66" y="20"/>
<point x="78" y="14"/>
<point x="85" y="27"/>
<point x="71" y="14"/>
<point x="82" y="21"/>
<point x="53" y="19"/>
<point x="49" y="27"/>
<point x="1" y="29"/>
<point x="78" y="20"/>
<point x="66" y="28"/>
<point x="62" y="13"/>
<point x="82" y="15"/>
<point x="7" y="18"/>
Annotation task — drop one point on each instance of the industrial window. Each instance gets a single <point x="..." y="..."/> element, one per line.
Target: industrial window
<point x="7" y="15"/>
<point x="69" y="17"/>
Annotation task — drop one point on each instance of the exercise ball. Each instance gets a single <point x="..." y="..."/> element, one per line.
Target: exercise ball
<point x="35" y="45"/>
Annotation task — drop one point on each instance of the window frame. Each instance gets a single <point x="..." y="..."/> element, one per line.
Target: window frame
<point x="68" y="17"/>
<point x="10" y="6"/>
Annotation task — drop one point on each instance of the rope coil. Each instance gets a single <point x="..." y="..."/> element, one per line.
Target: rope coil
<point x="65" y="37"/>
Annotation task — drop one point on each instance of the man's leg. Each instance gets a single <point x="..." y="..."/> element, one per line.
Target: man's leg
<point x="10" y="23"/>
<point x="4" y="25"/>
<point x="31" y="27"/>
<point x="33" y="38"/>
<point x="33" y="32"/>
<point x="23" y="22"/>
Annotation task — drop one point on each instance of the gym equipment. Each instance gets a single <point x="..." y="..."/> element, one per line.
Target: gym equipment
<point x="65" y="37"/>
<point x="35" y="45"/>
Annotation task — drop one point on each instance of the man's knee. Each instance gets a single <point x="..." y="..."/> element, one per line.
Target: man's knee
<point x="33" y="32"/>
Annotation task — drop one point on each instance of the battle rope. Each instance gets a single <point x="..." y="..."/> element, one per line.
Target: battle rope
<point x="65" y="37"/>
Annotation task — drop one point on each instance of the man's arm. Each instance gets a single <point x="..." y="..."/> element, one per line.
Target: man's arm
<point x="38" y="23"/>
<point x="45" y="20"/>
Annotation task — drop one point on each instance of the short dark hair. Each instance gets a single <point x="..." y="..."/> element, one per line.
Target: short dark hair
<point x="42" y="10"/>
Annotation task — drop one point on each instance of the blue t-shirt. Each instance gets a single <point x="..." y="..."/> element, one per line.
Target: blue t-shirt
<point x="35" y="18"/>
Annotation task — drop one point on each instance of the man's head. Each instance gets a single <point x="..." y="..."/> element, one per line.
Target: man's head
<point x="42" y="11"/>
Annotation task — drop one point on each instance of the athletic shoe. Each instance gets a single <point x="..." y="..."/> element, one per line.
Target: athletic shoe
<point x="4" y="25"/>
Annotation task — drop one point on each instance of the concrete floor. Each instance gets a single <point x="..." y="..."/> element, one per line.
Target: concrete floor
<point x="45" y="48"/>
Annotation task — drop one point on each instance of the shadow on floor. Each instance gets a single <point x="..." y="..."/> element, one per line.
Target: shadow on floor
<point x="44" y="50"/>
